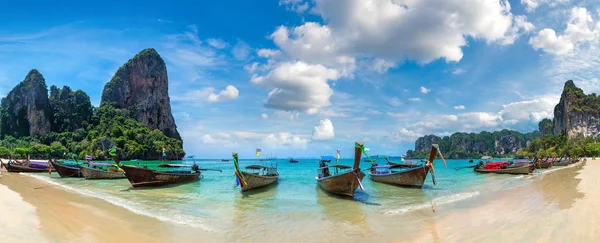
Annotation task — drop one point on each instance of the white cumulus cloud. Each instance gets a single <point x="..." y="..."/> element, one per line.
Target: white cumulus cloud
<point x="229" y="93"/>
<point x="298" y="87"/>
<point x="415" y="99"/>
<point x="323" y="131"/>
<point x="459" y="107"/>
<point x="285" y="140"/>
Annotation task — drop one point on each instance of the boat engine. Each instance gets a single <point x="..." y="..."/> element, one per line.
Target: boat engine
<point x="195" y="167"/>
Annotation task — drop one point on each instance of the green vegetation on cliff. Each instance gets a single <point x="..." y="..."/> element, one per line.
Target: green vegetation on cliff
<point x="560" y="146"/>
<point x="474" y="145"/>
<point x="133" y="139"/>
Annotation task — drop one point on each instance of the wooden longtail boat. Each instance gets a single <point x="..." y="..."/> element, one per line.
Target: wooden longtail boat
<point x="144" y="177"/>
<point x="405" y="175"/>
<point x="504" y="169"/>
<point x="258" y="176"/>
<point x="27" y="166"/>
<point x="562" y="162"/>
<point x="342" y="182"/>
<point x="544" y="164"/>
<point x="102" y="171"/>
<point x="67" y="169"/>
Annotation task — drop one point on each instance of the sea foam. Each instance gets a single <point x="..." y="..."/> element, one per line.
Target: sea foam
<point x="436" y="201"/>
<point x="135" y="207"/>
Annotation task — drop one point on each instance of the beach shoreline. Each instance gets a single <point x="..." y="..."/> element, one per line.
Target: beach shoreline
<point x="35" y="211"/>
<point x="555" y="206"/>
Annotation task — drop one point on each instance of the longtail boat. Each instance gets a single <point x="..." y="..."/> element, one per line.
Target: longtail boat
<point x="144" y="177"/>
<point x="563" y="162"/>
<point x="67" y="168"/>
<point x="102" y="171"/>
<point x="293" y="161"/>
<point x="255" y="176"/>
<point x="544" y="163"/>
<point x="503" y="168"/>
<point x="28" y="166"/>
<point x="345" y="179"/>
<point x="405" y="175"/>
<point x="405" y="163"/>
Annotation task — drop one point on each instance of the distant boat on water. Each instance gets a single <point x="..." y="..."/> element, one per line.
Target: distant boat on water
<point x="224" y="160"/>
<point x="293" y="161"/>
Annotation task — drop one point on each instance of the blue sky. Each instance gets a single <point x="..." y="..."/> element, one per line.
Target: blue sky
<point x="303" y="78"/>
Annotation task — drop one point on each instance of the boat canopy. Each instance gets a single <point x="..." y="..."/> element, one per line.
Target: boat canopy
<point x="38" y="163"/>
<point x="341" y="166"/>
<point x="173" y="165"/>
<point x="255" y="167"/>
<point x="327" y="158"/>
<point x="100" y="164"/>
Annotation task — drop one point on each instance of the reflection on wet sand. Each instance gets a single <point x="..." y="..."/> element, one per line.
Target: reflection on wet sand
<point x="346" y="214"/>
<point x="560" y="187"/>
<point x="249" y="218"/>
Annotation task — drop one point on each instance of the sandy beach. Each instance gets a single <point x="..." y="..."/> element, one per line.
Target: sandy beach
<point x="34" y="211"/>
<point x="560" y="205"/>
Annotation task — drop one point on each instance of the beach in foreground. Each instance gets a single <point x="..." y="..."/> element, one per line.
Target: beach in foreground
<point x="559" y="205"/>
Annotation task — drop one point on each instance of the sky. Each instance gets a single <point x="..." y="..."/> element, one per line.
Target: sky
<point x="303" y="78"/>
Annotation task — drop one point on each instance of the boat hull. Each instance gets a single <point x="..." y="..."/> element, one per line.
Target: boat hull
<point x="545" y="165"/>
<point x="342" y="184"/>
<point x="141" y="177"/>
<point x="66" y="171"/>
<point x="256" y="181"/>
<point x="23" y="168"/>
<point x="413" y="177"/>
<point x="91" y="173"/>
<point x="563" y="163"/>
<point x="517" y="170"/>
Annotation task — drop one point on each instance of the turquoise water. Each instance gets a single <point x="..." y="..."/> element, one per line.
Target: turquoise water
<point x="295" y="206"/>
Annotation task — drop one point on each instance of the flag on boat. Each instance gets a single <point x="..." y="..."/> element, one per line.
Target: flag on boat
<point x="338" y="154"/>
<point x="258" y="150"/>
<point x="163" y="152"/>
<point x="88" y="157"/>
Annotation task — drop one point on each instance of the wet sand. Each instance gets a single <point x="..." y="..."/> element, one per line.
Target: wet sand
<point x="557" y="206"/>
<point x="561" y="206"/>
<point x="34" y="211"/>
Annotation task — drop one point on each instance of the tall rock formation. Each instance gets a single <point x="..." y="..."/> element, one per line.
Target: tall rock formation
<point x="26" y="109"/>
<point x="545" y="126"/>
<point x="577" y="114"/>
<point x="70" y="110"/>
<point x="142" y="86"/>
<point x="424" y="143"/>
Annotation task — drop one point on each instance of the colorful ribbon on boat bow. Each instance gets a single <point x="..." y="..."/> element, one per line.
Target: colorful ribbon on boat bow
<point x="239" y="177"/>
<point x="358" y="179"/>
<point x="364" y="151"/>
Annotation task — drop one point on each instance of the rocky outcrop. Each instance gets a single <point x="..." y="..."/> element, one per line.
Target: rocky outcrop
<point x="70" y="110"/>
<point x="26" y="109"/>
<point x="576" y="114"/>
<point x="424" y="143"/>
<point x="545" y="126"/>
<point x="472" y="145"/>
<point x="142" y="86"/>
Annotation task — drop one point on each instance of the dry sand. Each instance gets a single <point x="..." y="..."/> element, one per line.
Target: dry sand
<point x="34" y="211"/>
<point x="562" y="206"/>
